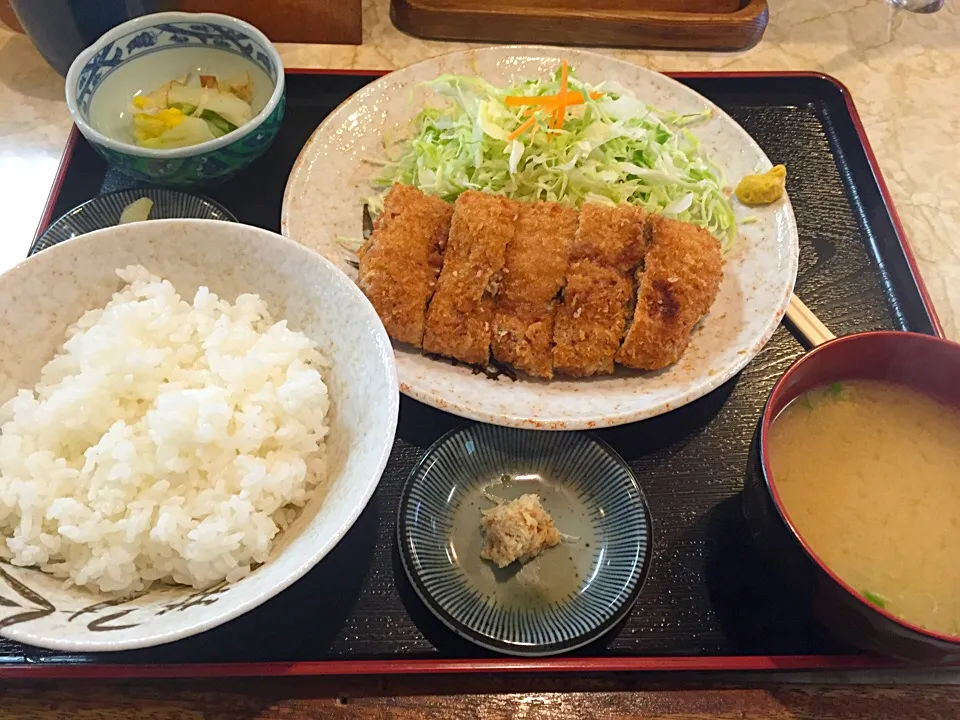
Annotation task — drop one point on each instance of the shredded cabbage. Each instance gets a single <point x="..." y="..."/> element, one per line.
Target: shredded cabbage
<point x="613" y="149"/>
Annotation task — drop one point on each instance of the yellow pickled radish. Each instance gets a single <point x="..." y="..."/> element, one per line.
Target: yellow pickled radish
<point x="151" y="125"/>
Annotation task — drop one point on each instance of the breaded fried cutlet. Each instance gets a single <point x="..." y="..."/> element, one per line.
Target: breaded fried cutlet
<point x="611" y="236"/>
<point x="460" y="316"/>
<point x="533" y="275"/>
<point x="401" y="259"/>
<point x="591" y="320"/>
<point x="609" y="243"/>
<point x="678" y="284"/>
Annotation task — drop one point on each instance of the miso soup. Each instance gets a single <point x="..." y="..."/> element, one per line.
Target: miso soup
<point x="869" y="474"/>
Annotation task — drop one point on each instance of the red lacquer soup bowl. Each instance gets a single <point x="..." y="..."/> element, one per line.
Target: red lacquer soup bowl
<point x="922" y="362"/>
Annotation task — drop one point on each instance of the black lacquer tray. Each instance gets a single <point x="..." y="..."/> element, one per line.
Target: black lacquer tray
<point x="709" y="602"/>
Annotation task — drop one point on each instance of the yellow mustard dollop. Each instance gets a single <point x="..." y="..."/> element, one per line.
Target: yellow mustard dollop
<point x="763" y="188"/>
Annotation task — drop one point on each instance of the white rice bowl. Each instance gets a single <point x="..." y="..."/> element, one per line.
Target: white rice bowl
<point x="219" y="432"/>
<point x="166" y="442"/>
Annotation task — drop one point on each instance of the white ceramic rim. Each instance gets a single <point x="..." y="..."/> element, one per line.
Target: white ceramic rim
<point x="145" y="21"/>
<point x="242" y="607"/>
<point x="425" y="394"/>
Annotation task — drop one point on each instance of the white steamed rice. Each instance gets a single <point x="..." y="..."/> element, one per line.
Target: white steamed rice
<point x="166" y="442"/>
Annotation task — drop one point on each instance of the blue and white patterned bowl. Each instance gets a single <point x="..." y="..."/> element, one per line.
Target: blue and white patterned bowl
<point x="568" y="596"/>
<point x="144" y="53"/>
<point x="104" y="211"/>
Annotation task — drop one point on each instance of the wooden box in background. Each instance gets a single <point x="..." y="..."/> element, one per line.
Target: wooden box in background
<point x="8" y="18"/>
<point x="667" y="24"/>
<point x="299" y="21"/>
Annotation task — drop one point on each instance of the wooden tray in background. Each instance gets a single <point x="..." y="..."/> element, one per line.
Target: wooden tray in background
<point x="7" y="16"/>
<point x="298" y="21"/>
<point x="307" y="21"/>
<point x="665" y="24"/>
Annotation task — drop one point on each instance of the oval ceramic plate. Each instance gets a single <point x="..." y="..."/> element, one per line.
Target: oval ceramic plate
<point x="323" y="201"/>
<point x="104" y="211"/>
<point x="563" y="599"/>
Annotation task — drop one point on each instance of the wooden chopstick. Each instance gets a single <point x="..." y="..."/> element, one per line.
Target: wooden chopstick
<point x="806" y="323"/>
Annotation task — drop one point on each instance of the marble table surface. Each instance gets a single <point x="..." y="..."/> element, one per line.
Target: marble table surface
<point x="900" y="67"/>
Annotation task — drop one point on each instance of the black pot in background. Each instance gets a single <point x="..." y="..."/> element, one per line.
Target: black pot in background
<point x="60" y="29"/>
<point x="925" y="363"/>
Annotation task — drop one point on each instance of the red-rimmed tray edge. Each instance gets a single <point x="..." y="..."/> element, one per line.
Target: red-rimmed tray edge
<point x="54" y="670"/>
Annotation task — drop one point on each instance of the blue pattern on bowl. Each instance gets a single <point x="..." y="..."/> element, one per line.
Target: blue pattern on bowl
<point x="614" y="511"/>
<point x="104" y="211"/>
<point x="202" y="165"/>
<point x="199" y="170"/>
<point x="140" y="42"/>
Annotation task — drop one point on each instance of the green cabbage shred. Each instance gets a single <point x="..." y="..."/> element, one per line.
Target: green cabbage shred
<point x="611" y="150"/>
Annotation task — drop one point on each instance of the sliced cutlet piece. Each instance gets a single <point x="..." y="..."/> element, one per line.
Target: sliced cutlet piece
<point x="678" y="284"/>
<point x="613" y="237"/>
<point x="401" y="259"/>
<point x="533" y="275"/>
<point x="460" y="316"/>
<point x="591" y="320"/>
<point x="609" y="244"/>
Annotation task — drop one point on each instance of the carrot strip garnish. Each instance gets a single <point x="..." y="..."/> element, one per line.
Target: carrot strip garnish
<point x="565" y="98"/>
<point x="519" y="131"/>
<point x="519" y="100"/>
<point x="555" y="105"/>
<point x="573" y="98"/>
